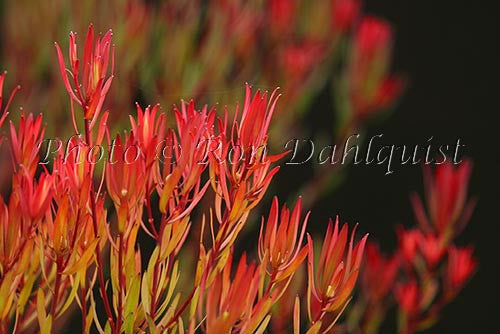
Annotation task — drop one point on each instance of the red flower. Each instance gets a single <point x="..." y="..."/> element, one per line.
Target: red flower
<point x="371" y="86"/>
<point x="300" y="58"/>
<point x="373" y="38"/>
<point x="231" y="300"/>
<point x="432" y="248"/>
<point x="408" y="243"/>
<point x="407" y="296"/>
<point x="26" y="142"/>
<point x="149" y="131"/>
<point x="124" y="179"/>
<point x="5" y="111"/>
<point x="279" y="246"/>
<point x="240" y="166"/>
<point x="179" y="183"/>
<point x="446" y="197"/>
<point x="35" y="196"/>
<point x="461" y="266"/>
<point x="344" y="14"/>
<point x="379" y="272"/>
<point x="95" y="83"/>
<point x="281" y="14"/>
<point x="331" y="285"/>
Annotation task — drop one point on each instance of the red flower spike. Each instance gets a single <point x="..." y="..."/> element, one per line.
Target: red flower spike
<point x="461" y="266"/>
<point x="91" y="91"/>
<point x="279" y="243"/>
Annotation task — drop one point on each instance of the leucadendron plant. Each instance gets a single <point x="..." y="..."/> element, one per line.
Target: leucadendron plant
<point x="109" y="226"/>
<point x="69" y="232"/>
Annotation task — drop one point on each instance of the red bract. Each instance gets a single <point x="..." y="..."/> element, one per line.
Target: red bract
<point x="371" y="87"/>
<point x="148" y="131"/>
<point x="373" y="38"/>
<point x="26" y="141"/>
<point x="432" y="248"/>
<point x="34" y="195"/>
<point x="90" y="90"/>
<point x="71" y="169"/>
<point x="344" y="14"/>
<point x="179" y="184"/>
<point x="5" y="110"/>
<point x="124" y="179"/>
<point x="14" y="232"/>
<point x="408" y="242"/>
<point x="300" y="58"/>
<point x="379" y="273"/>
<point x="408" y="296"/>
<point x="252" y="129"/>
<point x="461" y="266"/>
<point x="229" y="301"/>
<point x="278" y="245"/>
<point x="281" y="13"/>
<point x="331" y="285"/>
<point x="447" y="205"/>
<point x="240" y="165"/>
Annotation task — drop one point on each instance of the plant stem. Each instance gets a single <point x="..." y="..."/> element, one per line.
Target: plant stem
<point x="100" y="273"/>
<point x="56" y="287"/>
<point x="120" y="286"/>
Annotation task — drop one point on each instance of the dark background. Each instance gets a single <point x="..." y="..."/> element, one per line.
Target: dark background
<point x="447" y="51"/>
